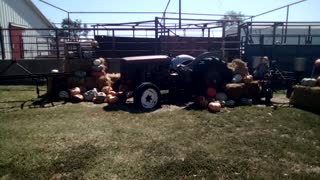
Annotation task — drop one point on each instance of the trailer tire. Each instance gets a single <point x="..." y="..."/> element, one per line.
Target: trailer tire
<point x="147" y="96"/>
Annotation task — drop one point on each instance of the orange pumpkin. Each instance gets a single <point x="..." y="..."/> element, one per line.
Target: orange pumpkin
<point x="113" y="99"/>
<point x="211" y="92"/>
<point x="77" y="98"/>
<point x="317" y="63"/>
<point x="214" y="106"/>
<point x="75" y="91"/>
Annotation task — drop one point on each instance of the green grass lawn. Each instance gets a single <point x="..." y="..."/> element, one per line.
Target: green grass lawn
<point x="87" y="141"/>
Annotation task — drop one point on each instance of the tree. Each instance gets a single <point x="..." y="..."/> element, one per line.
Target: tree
<point x="233" y="16"/>
<point x="72" y="29"/>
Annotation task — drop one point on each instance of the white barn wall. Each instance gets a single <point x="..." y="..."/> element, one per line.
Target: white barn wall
<point x="19" y="12"/>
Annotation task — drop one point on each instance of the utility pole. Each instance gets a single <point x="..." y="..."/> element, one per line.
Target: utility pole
<point x="179" y="14"/>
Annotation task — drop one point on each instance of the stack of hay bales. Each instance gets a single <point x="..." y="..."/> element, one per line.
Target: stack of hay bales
<point x="306" y="97"/>
<point x="243" y="88"/>
<point x="307" y="94"/>
<point x="238" y="67"/>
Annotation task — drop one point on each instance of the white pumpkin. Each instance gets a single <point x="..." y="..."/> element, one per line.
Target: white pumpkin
<point x="214" y="106"/>
<point x="101" y="96"/>
<point x="90" y="95"/>
<point x="308" y="82"/>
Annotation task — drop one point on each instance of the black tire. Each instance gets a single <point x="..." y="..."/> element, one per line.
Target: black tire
<point x="147" y="96"/>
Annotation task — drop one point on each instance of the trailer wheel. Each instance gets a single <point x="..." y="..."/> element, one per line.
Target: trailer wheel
<point x="147" y="96"/>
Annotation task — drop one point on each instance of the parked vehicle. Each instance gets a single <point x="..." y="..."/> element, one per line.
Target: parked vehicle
<point x="145" y="76"/>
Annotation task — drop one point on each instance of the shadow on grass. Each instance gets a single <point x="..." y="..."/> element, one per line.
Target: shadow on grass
<point x="71" y="164"/>
<point x="41" y="102"/>
<point x="131" y="108"/>
<point x="197" y="164"/>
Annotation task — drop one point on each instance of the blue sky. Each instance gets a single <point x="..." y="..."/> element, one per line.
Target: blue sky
<point x="305" y="11"/>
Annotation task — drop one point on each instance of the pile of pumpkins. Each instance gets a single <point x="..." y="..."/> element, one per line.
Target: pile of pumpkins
<point x="213" y="100"/>
<point x="102" y="93"/>
<point x="106" y="95"/>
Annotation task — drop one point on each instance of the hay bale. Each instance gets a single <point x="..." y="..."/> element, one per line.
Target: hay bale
<point x="235" y="90"/>
<point x="114" y="76"/>
<point x="238" y="67"/>
<point x="306" y="97"/>
<point x="103" y="81"/>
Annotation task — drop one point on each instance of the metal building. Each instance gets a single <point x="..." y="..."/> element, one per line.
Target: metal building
<point x="16" y="17"/>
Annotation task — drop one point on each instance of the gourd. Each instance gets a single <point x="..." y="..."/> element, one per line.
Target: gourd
<point x="214" y="106"/>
